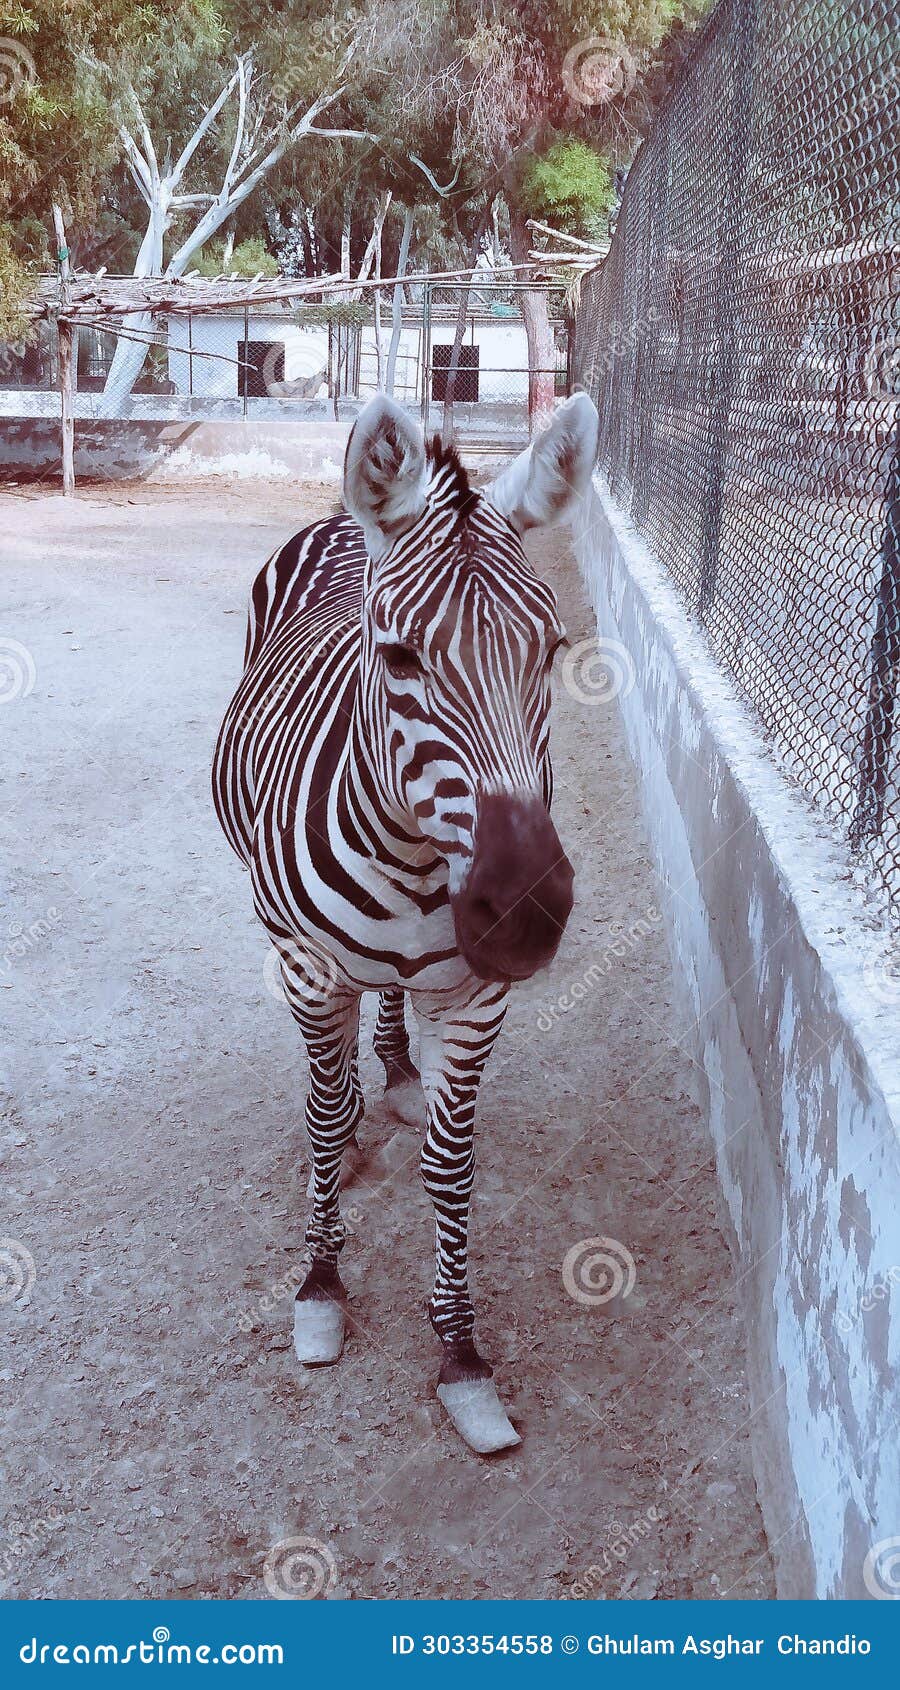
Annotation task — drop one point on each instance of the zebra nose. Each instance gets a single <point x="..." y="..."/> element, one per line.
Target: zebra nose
<point x="512" y="910"/>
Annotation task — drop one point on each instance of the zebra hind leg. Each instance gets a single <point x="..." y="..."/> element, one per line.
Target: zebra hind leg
<point x="402" y="1088"/>
<point x="334" y="1108"/>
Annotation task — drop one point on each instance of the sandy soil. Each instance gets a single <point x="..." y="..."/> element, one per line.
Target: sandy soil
<point x="159" y="1438"/>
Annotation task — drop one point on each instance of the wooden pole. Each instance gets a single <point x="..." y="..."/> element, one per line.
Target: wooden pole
<point x="67" y="410"/>
<point x="65" y="338"/>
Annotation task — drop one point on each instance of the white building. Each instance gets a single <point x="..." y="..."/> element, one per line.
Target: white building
<point x="287" y="359"/>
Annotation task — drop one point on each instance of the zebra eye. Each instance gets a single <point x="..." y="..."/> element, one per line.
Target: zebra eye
<point x="401" y="661"/>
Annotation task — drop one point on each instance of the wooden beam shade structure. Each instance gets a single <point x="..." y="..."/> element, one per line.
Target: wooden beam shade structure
<point x="91" y="297"/>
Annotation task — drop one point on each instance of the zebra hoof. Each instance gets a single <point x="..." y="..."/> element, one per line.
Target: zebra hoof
<point x="319" y="1326"/>
<point x="320" y="1316"/>
<point x="478" y="1415"/>
<point x="406" y="1102"/>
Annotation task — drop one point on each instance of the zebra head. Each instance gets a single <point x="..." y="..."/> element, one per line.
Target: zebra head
<point x="458" y="641"/>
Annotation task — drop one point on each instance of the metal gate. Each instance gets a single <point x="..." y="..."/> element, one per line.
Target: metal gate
<point x="487" y="400"/>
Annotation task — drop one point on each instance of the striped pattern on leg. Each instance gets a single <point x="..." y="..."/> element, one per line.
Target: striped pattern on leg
<point x="334" y="1103"/>
<point x="455" y="1047"/>
<point x="391" y="1039"/>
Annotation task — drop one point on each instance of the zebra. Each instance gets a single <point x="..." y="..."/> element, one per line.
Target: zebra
<point x="383" y="773"/>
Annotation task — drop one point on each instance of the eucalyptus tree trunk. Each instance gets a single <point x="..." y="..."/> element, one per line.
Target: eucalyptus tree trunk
<point x="397" y="301"/>
<point x="376" y="294"/>
<point x="368" y="257"/>
<point x="346" y="228"/>
<point x="137" y="327"/>
<point x="538" y="331"/>
<point x="496" y="248"/>
<point x="460" y="332"/>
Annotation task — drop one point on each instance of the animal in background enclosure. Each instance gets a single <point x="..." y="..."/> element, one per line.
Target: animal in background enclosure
<point x="383" y="772"/>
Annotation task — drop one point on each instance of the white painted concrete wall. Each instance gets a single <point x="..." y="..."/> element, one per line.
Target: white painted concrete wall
<point x="796" y="1017"/>
<point x="502" y="343"/>
<point x="216" y="341"/>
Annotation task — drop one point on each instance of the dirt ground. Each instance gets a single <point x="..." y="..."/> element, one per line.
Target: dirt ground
<point x="159" y="1438"/>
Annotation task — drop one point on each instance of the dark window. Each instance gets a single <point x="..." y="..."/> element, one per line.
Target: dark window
<point x="261" y="364"/>
<point x="465" y="387"/>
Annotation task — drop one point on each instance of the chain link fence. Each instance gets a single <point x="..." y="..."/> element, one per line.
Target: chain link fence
<point x="743" y="343"/>
<point x="312" y="360"/>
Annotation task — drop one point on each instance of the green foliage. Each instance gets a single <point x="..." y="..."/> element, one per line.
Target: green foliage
<point x="58" y="116"/>
<point x="250" y="258"/>
<point x="13" y="284"/>
<point x="348" y="311"/>
<point x="569" y="186"/>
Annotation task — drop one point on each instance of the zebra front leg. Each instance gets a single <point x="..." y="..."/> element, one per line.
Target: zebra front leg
<point x="402" y="1088"/>
<point x="334" y="1108"/>
<point x="455" y="1045"/>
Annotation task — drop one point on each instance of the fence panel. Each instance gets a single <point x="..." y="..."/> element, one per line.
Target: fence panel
<point x="315" y="358"/>
<point x="743" y="344"/>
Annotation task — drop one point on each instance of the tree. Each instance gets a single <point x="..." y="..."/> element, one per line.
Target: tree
<point x="122" y="111"/>
<point x="195" y="193"/>
<point x="582" y="98"/>
<point x="249" y="258"/>
<point x="57" y="129"/>
<point x="570" y="186"/>
<point x="501" y="87"/>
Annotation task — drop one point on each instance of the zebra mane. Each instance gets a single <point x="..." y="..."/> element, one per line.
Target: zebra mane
<point x="447" y="472"/>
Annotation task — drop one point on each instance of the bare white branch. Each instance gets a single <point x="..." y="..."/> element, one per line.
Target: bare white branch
<point x="241" y="122"/>
<point x="137" y="164"/>
<point x="203" y="128"/>
<point x="443" y="192"/>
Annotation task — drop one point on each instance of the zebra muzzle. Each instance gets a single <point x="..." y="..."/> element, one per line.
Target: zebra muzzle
<point x="513" y="906"/>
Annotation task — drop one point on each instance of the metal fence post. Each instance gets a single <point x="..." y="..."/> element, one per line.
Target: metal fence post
<point x="727" y="306"/>
<point x="245" y="361"/>
<point x="426" y="354"/>
<point x="884" y="663"/>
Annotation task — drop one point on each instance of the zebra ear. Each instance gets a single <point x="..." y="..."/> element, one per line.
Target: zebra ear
<point x="545" y="483"/>
<point x="384" y="472"/>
